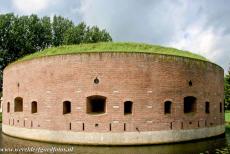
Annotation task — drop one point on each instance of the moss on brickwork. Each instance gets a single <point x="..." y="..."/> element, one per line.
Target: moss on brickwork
<point x="113" y="47"/>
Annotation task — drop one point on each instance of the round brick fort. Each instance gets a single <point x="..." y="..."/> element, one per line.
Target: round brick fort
<point x="110" y="97"/>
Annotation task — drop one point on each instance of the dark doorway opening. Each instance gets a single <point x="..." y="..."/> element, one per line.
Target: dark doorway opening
<point x="128" y="107"/>
<point x="207" y="107"/>
<point x="34" y="107"/>
<point x="18" y="104"/>
<point x="66" y="107"/>
<point x="96" y="104"/>
<point x="189" y="104"/>
<point x="168" y="105"/>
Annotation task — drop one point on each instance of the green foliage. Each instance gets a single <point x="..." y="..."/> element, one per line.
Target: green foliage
<point x="112" y="47"/>
<point x="227" y="116"/>
<point x="60" y="26"/>
<point x="94" y="35"/>
<point x="22" y="35"/>
<point x="83" y="34"/>
<point x="76" y="34"/>
<point x="227" y="91"/>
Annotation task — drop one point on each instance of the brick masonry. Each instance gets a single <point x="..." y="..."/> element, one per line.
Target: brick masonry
<point x="148" y="80"/>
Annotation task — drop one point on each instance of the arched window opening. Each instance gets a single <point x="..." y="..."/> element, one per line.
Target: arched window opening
<point x="66" y="107"/>
<point x="220" y="107"/>
<point x="34" y="107"/>
<point x="207" y="107"/>
<point x="96" y="104"/>
<point x="8" y="107"/>
<point x="18" y="104"/>
<point x="128" y="107"/>
<point x="190" y="83"/>
<point x="189" y="104"/>
<point x="167" y="107"/>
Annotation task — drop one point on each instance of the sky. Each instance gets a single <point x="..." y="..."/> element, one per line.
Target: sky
<point x="199" y="26"/>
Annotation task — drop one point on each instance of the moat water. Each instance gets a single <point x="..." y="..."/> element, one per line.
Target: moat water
<point x="213" y="145"/>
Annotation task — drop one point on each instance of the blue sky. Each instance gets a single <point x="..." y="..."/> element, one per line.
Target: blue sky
<point x="200" y="26"/>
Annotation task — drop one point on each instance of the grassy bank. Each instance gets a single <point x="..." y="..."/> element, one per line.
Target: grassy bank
<point x="227" y="116"/>
<point x="113" y="47"/>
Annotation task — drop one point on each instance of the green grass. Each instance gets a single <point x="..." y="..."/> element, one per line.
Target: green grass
<point x="112" y="47"/>
<point x="227" y="116"/>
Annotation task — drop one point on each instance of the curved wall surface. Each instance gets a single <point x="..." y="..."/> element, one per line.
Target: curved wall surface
<point x="113" y="99"/>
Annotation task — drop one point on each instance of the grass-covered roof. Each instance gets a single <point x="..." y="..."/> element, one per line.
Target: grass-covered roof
<point x="112" y="47"/>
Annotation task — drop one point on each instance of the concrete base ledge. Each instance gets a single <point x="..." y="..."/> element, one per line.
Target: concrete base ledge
<point x="109" y="138"/>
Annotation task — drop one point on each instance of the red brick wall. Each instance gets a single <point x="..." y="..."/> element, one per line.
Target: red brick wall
<point x="145" y="79"/>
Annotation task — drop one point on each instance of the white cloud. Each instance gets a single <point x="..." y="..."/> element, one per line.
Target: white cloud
<point x="208" y="42"/>
<point x="195" y="38"/>
<point x="30" y="6"/>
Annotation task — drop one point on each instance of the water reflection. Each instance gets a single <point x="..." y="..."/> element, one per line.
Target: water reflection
<point x="214" y="145"/>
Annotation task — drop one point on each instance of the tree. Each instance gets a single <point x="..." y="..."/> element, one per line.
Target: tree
<point x="6" y="38"/>
<point x="23" y="35"/>
<point x="60" y="25"/>
<point x="227" y="90"/>
<point x="85" y="34"/>
<point x="94" y="35"/>
<point x="76" y="34"/>
<point x="46" y="32"/>
<point x="40" y="33"/>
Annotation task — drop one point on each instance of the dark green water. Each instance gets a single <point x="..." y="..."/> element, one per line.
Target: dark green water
<point x="213" y="145"/>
